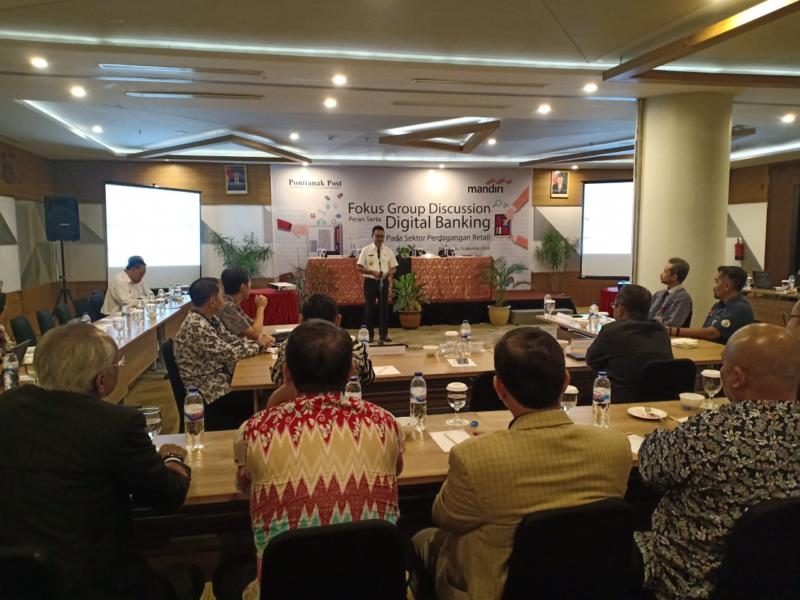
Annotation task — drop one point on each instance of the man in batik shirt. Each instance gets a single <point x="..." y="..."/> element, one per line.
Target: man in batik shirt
<point x="720" y="463"/>
<point x="322" y="458"/>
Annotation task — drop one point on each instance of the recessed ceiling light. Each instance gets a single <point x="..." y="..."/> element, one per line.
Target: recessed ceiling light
<point x="39" y="62"/>
<point x="441" y="165"/>
<point x="294" y="136"/>
<point x="339" y="79"/>
<point x="97" y="129"/>
<point x="78" y="91"/>
<point x="590" y="88"/>
<point x="491" y="141"/>
<point x="574" y="167"/>
<point x="788" y="118"/>
<point x="543" y="109"/>
<point x="330" y="102"/>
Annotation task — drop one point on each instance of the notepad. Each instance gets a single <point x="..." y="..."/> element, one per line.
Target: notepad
<point x="468" y="363"/>
<point x="636" y="442"/>
<point x="447" y="439"/>
<point x="386" y="371"/>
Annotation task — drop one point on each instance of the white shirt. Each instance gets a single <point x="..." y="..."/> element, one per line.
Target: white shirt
<point x="121" y="290"/>
<point x="369" y="260"/>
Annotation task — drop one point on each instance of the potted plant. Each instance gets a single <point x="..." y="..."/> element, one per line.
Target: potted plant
<point x="248" y="254"/>
<point x="408" y="300"/>
<point x="554" y="253"/>
<point x="500" y="276"/>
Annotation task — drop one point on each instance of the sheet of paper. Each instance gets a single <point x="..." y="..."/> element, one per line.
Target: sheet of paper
<point x="386" y="371"/>
<point x="453" y="363"/>
<point x="286" y="330"/>
<point x="636" y="442"/>
<point x="447" y="439"/>
<point x="681" y="419"/>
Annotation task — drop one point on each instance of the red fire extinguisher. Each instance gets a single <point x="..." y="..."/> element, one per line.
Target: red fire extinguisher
<point x="739" y="249"/>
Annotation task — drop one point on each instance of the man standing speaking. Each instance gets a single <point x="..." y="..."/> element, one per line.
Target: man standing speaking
<point x="377" y="264"/>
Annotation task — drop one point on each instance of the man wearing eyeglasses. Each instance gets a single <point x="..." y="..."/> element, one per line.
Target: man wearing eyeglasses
<point x="71" y="464"/>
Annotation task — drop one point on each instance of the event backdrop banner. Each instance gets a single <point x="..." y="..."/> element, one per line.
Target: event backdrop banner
<point x="478" y="212"/>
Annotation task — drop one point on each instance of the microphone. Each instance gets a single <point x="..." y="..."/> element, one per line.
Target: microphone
<point x="380" y="270"/>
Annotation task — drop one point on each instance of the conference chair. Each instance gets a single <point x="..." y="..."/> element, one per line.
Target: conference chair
<point x="178" y="391"/>
<point x="483" y="396"/>
<point x="665" y="379"/>
<point x="28" y="574"/>
<point x="96" y="299"/>
<point x="762" y="554"/>
<point x="82" y="306"/>
<point x="353" y="561"/>
<point x="45" y="320"/>
<point x="62" y="313"/>
<point x="22" y="330"/>
<point x="598" y="537"/>
<point x="688" y="321"/>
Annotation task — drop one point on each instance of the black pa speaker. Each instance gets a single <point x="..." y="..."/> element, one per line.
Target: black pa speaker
<point x="61" y="219"/>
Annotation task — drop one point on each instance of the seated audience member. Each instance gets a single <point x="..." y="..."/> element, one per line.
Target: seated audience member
<point x="543" y="461"/>
<point x="321" y="458"/>
<point x="236" y="285"/>
<point x="623" y="347"/>
<point x="673" y="305"/>
<point x="125" y="287"/>
<point x="71" y="463"/>
<point x="790" y="319"/>
<point x="320" y="306"/>
<point x="206" y="354"/>
<point x="727" y="316"/>
<point x="719" y="463"/>
<point x="5" y="340"/>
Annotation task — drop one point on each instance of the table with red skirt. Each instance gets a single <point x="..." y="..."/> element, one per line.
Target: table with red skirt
<point x="281" y="306"/>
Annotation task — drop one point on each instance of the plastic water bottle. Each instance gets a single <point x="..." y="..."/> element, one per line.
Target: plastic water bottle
<point x="86" y="318"/>
<point x="601" y="400"/>
<point x="594" y="318"/>
<point x="194" y="421"/>
<point x="363" y="337"/>
<point x="418" y="402"/>
<point x="353" y="388"/>
<point x="10" y="371"/>
<point x="466" y="337"/>
<point x="125" y="311"/>
<point x="791" y="283"/>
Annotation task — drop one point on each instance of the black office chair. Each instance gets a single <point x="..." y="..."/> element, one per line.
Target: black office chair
<point x="27" y="574"/>
<point x="22" y="330"/>
<point x="61" y="313"/>
<point x="483" y="396"/>
<point x="688" y="321"/>
<point x="353" y="561"/>
<point x="763" y="554"/>
<point x="603" y="531"/>
<point x="82" y="306"/>
<point x="45" y="320"/>
<point x="96" y="300"/>
<point x="178" y="391"/>
<point x="665" y="379"/>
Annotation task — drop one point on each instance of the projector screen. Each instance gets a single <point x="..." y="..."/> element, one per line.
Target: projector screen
<point x="159" y="224"/>
<point x="607" y="229"/>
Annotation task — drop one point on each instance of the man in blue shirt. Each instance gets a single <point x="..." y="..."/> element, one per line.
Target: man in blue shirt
<point x="727" y="316"/>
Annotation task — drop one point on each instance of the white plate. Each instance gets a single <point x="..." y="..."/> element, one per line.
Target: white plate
<point x="653" y="414"/>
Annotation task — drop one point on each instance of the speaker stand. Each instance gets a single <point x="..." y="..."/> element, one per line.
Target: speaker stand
<point x="64" y="294"/>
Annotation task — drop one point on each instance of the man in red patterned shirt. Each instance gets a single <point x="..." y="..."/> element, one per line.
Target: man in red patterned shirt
<point x="322" y="458"/>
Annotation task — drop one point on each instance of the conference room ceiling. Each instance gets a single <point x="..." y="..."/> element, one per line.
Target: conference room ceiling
<point x="264" y="68"/>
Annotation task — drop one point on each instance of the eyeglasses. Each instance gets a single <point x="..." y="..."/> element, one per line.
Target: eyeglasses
<point x="788" y="317"/>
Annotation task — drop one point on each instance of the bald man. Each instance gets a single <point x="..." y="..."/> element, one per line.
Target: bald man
<point x="792" y="319"/>
<point x="720" y="463"/>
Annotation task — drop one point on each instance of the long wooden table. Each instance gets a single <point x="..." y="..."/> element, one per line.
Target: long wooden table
<point x="769" y="305"/>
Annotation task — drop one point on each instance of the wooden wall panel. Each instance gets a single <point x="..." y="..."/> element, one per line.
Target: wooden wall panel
<point x="85" y="179"/>
<point x="24" y="175"/>
<point x="749" y="184"/>
<point x="783" y="181"/>
<point x="541" y="184"/>
<point x="582" y="291"/>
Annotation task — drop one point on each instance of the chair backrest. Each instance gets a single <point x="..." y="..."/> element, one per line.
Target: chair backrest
<point x="62" y="313"/>
<point x="22" y="330"/>
<point x="45" y="320"/>
<point x="762" y="555"/>
<point x="82" y="305"/>
<point x="483" y="396"/>
<point x="665" y="379"/>
<point x="96" y="299"/>
<point x="357" y="561"/>
<point x="178" y="391"/>
<point x="28" y="574"/>
<point x="688" y="321"/>
<point x="548" y="543"/>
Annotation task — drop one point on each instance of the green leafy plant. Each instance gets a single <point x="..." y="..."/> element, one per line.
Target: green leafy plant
<point x="500" y="276"/>
<point x="248" y="254"/>
<point x="405" y="251"/>
<point x="409" y="294"/>
<point x="554" y="253"/>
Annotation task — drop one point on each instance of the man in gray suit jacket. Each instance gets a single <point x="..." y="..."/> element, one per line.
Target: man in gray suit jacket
<point x="673" y="306"/>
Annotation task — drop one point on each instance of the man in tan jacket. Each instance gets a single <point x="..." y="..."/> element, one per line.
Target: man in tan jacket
<point x="543" y="461"/>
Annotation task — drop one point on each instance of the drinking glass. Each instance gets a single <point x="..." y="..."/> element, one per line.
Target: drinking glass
<point x="712" y="384"/>
<point x="161" y="293"/>
<point x="569" y="399"/>
<point x="152" y="419"/>
<point x="457" y="399"/>
<point x="549" y="305"/>
<point x="150" y="308"/>
<point x="785" y="285"/>
<point x="119" y="325"/>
